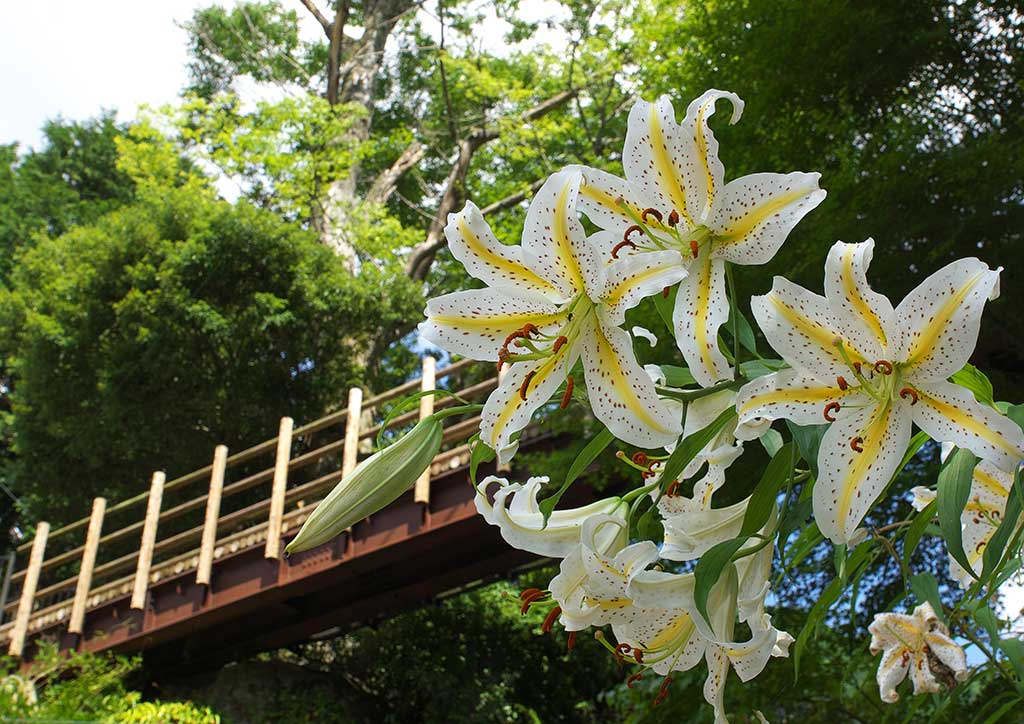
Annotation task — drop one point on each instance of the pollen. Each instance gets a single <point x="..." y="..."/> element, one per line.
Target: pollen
<point x="830" y="410"/>
<point x="673" y="218"/>
<point x="694" y="248"/>
<point x="909" y="392"/>
<point x="550" y="619"/>
<point x="526" y="384"/>
<point x="857" y="444"/>
<point x="567" y="397"/>
<point x="558" y="343"/>
<point x="617" y="247"/>
<point x="884" y="367"/>
<point x="650" y="212"/>
<point x="843" y="384"/>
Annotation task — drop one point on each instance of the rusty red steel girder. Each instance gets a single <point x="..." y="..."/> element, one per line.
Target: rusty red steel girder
<point x="400" y="558"/>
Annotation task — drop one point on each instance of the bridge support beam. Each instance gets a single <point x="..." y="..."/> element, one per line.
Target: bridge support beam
<point x="421" y="493"/>
<point x="84" y="582"/>
<point x="156" y="495"/>
<point x="280" y="486"/>
<point x="28" y="590"/>
<point x="209" y="540"/>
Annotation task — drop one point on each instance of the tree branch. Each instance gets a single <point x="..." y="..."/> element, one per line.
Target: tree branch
<point x="336" y="36"/>
<point x="384" y="185"/>
<point x="324" y="22"/>
<point x="422" y="256"/>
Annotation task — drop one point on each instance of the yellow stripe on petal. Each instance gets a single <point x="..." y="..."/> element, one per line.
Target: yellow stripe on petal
<point x="487" y="255"/>
<point x="680" y="629"/>
<point x="543" y="371"/>
<point x="821" y="336"/>
<point x="666" y="169"/>
<point x="492" y="321"/>
<point x="872" y="436"/>
<point x="856" y="299"/>
<point x="562" y="239"/>
<point x="701" y="307"/>
<point x="924" y="343"/>
<point x="616" y="293"/>
<point x="990" y="483"/>
<point x="702" y="151"/>
<point x="624" y="391"/>
<point x="758" y="216"/>
<point x="963" y="420"/>
<point x="605" y="199"/>
<point x="805" y="395"/>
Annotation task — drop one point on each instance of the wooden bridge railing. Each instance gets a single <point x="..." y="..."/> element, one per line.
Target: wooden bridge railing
<point x="169" y="538"/>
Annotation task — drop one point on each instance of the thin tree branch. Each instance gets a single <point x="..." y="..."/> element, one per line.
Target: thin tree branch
<point x="324" y="22"/>
<point x="337" y="37"/>
<point x="384" y="185"/>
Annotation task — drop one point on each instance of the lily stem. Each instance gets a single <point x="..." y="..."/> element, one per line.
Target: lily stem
<point x="683" y="396"/>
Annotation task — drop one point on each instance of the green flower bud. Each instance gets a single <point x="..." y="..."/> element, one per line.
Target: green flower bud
<point x="375" y="483"/>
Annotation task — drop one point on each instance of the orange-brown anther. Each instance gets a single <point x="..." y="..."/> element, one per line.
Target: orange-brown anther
<point x="638" y="655"/>
<point x="672" y="488"/>
<point x="843" y="384"/>
<point x="527" y="593"/>
<point x="650" y="212"/>
<point x="856" y="366"/>
<point x="629" y="231"/>
<point x="571" y="642"/>
<point x="550" y="619"/>
<point x="567" y="397"/>
<point x="640" y="458"/>
<point x="535" y="595"/>
<point x="665" y="292"/>
<point x="526" y="384"/>
<point x="624" y="242"/>
<point x="694" y="248"/>
<point x="633" y="678"/>
<point x="673" y="217"/>
<point x="911" y="393"/>
<point x="883" y="366"/>
<point x="558" y="343"/>
<point x="663" y="691"/>
<point x="829" y="409"/>
<point x="857" y="444"/>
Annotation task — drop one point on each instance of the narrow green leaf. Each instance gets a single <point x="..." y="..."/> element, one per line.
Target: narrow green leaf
<point x="649" y="526"/>
<point x="692" y="444"/>
<point x="746" y="332"/>
<point x="808" y="440"/>
<point x="795" y="518"/>
<point x="975" y="380"/>
<point x="953" y="493"/>
<point x="771" y="441"/>
<point x="666" y="306"/>
<point x="709" y="568"/>
<point x="478" y="453"/>
<point x="916" y="530"/>
<point x="587" y="455"/>
<point x="1011" y="517"/>
<point x="678" y="376"/>
<point x="817" y="614"/>
<point x="1016" y="413"/>
<point x="755" y="368"/>
<point x="926" y="588"/>
<point x="762" y="500"/>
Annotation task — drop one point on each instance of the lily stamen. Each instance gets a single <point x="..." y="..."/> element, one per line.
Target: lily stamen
<point x="529" y="597"/>
<point x="624" y="242"/>
<point x="558" y="343"/>
<point x="665" y="292"/>
<point x="571" y="642"/>
<point x="694" y="248"/>
<point x="857" y="444"/>
<point x="673" y="218"/>
<point x="640" y="458"/>
<point x="550" y="619"/>
<point x="663" y="691"/>
<point x="831" y="408"/>
<point x="633" y="678"/>
<point x="650" y="212"/>
<point x="911" y="393"/>
<point x="843" y="384"/>
<point x="567" y="397"/>
<point x="526" y="384"/>
<point x="884" y="367"/>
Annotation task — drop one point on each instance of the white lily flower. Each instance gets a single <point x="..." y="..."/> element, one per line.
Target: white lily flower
<point x="872" y="370"/>
<point x="918" y="644"/>
<point x="522" y="524"/>
<point x="548" y="303"/>
<point x="922" y="497"/>
<point x="665" y="627"/>
<point x="675" y="185"/>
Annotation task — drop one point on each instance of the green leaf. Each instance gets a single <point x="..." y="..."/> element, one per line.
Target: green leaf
<point x="975" y="380"/>
<point x="916" y="530"/>
<point x="649" y="526"/>
<point x="762" y="500"/>
<point x="954" y="491"/>
<point x="771" y="441"/>
<point x="817" y="613"/>
<point x="746" y="332"/>
<point x="709" y="568"/>
<point x="1016" y="413"/>
<point x="926" y="589"/>
<point x="478" y="453"/>
<point x="808" y="440"/>
<point x="795" y="518"/>
<point x="692" y="444"/>
<point x="1011" y="517"/>
<point x="755" y="368"/>
<point x="587" y="455"/>
<point x="678" y="376"/>
<point x="665" y="307"/>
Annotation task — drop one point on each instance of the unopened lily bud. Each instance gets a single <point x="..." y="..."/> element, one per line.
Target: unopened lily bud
<point x="375" y="483"/>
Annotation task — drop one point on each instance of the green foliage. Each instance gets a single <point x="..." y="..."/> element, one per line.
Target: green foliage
<point x="81" y="686"/>
<point x="177" y="318"/>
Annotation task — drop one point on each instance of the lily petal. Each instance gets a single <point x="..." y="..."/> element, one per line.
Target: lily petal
<point x="554" y="243"/>
<point x="476" y="322"/>
<point x="849" y="481"/>
<point x="691" y="532"/>
<point x="701" y="308"/>
<point x="949" y="413"/>
<point x="938" y="321"/>
<point x="754" y="214"/>
<point x="527" y="385"/>
<point x="714" y="685"/>
<point x="522" y="524"/>
<point x="657" y="157"/>
<point x="630" y="280"/>
<point x="705" y="173"/>
<point x="802" y="327"/>
<point x="846" y="287"/>
<point x="891" y="671"/>
<point x="498" y="265"/>
<point x="946" y="651"/>
<point x="622" y="395"/>
<point x="604" y="199"/>
<point x="990" y="489"/>
<point x="788" y="395"/>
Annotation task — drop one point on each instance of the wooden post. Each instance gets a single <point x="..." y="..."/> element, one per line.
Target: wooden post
<point x="277" y="491"/>
<point x="220" y="461"/>
<point x="28" y="590"/>
<point x="421" y="493"/>
<point x="156" y="494"/>
<point x="350" y="453"/>
<point x="502" y="371"/>
<point x="84" y="583"/>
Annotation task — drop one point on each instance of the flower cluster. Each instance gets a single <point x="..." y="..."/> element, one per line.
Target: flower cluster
<point x="852" y="367"/>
